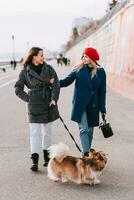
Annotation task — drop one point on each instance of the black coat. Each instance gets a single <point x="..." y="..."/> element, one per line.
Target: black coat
<point x="40" y="93"/>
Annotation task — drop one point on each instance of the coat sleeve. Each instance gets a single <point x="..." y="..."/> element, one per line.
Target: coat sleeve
<point x="68" y="80"/>
<point x="19" y="87"/>
<point x="102" y="93"/>
<point x="55" y="87"/>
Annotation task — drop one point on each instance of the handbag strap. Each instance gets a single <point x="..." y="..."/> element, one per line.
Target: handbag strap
<point x="104" y="122"/>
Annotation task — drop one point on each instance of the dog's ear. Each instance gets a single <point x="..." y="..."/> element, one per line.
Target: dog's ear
<point x="92" y="150"/>
<point x="102" y="156"/>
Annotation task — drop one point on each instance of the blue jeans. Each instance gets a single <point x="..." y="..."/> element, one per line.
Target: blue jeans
<point x="86" y="133"/>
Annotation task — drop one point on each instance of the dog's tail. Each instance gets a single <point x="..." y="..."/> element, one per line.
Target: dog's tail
<point x="58" y="151"/>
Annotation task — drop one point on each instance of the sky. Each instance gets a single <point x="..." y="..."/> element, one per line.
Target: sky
<point x="44" y="23"/>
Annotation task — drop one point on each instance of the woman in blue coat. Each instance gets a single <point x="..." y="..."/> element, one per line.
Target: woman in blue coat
<point x="89" y="95"/>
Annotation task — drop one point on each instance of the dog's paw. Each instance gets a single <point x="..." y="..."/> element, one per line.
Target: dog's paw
<point x="53" y="178"/>
<point x="96" y="182"/>
<point x="78" y="181"/>
<point x="64" y="179"/>
<point x="56" y="180"/>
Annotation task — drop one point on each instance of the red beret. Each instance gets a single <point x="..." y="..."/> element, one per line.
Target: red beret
<point x="91" y="53"/>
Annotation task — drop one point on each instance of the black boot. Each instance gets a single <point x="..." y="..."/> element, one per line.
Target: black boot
<point x="46" y="157"/>
<point x="35" y="159"/>
<point x="86" y="154"/>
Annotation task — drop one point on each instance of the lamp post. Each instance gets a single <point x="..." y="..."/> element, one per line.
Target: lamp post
<point x="13" y="43"/>
<point x="14" y="61"/>
<point x="27" y="46"/>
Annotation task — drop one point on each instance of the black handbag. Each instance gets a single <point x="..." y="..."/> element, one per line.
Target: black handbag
<point x="106" y="128"/>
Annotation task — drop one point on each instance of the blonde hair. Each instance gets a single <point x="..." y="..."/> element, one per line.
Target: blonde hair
<point x="79" y="66"/>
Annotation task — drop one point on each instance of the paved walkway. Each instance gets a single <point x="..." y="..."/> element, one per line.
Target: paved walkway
<point x="17" y="182"/>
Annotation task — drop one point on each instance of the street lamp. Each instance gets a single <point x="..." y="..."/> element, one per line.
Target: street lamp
<point x="14" y="61"/>
<point x="27" y="45"/>
<point x="13" y="43"/>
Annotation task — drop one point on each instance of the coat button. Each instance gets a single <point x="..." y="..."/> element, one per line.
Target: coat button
<point x="93" y="105"/>
<point x="92" y="92"/>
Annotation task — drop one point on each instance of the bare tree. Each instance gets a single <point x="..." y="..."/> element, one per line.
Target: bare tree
<point x="112" y="4"/>
<point x="75" y="33"/>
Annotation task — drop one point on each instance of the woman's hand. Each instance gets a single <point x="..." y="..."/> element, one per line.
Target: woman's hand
<point x="52" y="103"/>
<point x="51" y="81"/>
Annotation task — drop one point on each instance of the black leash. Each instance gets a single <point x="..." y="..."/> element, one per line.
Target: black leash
<point x="70" y="134"/>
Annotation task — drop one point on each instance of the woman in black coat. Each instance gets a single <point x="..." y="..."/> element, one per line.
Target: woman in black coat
<point x="43" y="84"/>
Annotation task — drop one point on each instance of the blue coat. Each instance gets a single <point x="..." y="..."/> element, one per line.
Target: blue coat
<point x="89" y="94"/>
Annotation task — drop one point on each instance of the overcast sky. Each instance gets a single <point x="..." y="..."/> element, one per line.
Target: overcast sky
<point x="45" y="23"/>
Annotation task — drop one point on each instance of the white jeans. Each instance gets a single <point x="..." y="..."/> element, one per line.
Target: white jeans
<point x="36" y="130"/>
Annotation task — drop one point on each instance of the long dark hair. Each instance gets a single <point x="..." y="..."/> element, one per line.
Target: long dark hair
<point x="32" y="52"/>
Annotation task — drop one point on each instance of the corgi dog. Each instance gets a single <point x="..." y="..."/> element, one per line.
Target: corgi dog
<point x="63" y="167"/>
